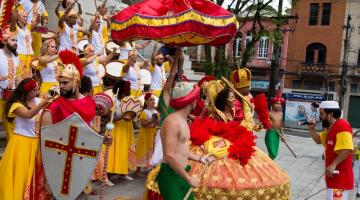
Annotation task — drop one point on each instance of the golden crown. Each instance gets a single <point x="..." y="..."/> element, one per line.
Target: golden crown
<point x="241" y="78"/>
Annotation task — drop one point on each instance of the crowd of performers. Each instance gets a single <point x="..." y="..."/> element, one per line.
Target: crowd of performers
<point x="44" y="78"/>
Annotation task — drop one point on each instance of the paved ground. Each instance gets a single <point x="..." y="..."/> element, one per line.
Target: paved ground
<point x="306" y="172"/>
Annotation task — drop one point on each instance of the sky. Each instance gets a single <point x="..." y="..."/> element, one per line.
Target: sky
<point x="286" y="3"/>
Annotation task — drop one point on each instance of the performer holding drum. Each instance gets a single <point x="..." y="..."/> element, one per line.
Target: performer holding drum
<point x="93" y="66"/>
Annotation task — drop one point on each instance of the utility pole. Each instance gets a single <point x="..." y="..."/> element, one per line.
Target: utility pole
<point x="275" y="61"/>
<point x="345" y="62"/>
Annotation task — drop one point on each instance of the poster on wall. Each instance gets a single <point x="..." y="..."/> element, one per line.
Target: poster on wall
<point x="300" y="108"/>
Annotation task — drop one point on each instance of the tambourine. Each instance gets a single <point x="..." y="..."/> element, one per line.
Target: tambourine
<point x="49" y="35"/>
<point x="114" y="69"/>
<point x="103" y="104"/>
<point x="130" y="108"/>
<point x="7" y="93"/>
<point x="82" y="43"/>
<point x="110" y="45"/>
<point x="101" y="70"/>
<point x="142" y="100"/>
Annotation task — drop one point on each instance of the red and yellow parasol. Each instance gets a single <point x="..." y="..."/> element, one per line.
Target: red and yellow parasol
<point x="175" y="22"/>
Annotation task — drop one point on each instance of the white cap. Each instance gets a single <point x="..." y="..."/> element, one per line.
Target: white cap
<point x="329" y="105"/>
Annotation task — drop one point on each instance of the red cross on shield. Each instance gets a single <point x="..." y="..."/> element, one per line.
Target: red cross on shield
<point x="70" y="150"/>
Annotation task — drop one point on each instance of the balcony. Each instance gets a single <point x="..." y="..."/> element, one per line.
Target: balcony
<point x="314" y="69"/>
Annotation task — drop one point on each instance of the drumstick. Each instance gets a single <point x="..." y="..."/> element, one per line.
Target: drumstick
<point x="102" y="187"/>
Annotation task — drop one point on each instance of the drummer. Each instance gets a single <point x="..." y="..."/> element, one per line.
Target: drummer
<point x="91" y="63"/>
<point x="105" y="21"/>
<point x="48" y="66"/>
<point x="158" y="71"/>
<point x="68" y="30"/>
<point x="127" y="46"/>
<point x="65" y="4"/>
<point x="132" y="74"/>
<point x="97" y="39"/>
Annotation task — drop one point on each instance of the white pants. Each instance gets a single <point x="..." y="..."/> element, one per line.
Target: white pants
<point x="158" y="150"/>
<point x="336" y="194"/>
<point x="356" y="169"/>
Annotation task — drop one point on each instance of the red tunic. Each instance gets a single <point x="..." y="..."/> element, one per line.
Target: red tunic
<point x="239" y="111"/>
<point x="61" y="108"/>
<point x="345" y="179"/>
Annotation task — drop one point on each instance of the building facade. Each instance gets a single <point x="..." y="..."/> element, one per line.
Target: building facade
<point x="314" y="53"/>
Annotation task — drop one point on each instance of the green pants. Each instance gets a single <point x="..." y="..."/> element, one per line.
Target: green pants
<point x="272" y="140"/>
<point x="171" y="185"/>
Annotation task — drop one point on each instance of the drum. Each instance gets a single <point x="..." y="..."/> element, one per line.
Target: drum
<point x="6" y="94"/>
<point x="142" y="100"/>
<point x="82" y="44"/>
<point x="110" y="45"/>
<point x="114" y="69"/>
<point x="103" y="104"/>
<point x="41" y="29"/>
<point x="130" y="108"/>
<point x="35" y="64"/>
<point x="101" y="70"/>
<point x="49" y="35"/>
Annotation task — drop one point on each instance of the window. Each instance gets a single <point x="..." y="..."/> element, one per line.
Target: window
<point x="354" y="88"/>
<point x="316" y="54"/>
<point x="325" y="20"/>
<point x="237" y="45"/>
<point x="358" y="58"/>
<point x="312" y="85"/>
<point x="296" y="84"/>
<point x="314" y="12"/>
<point x="263" y="47"/>
<point x="248" y="39"/>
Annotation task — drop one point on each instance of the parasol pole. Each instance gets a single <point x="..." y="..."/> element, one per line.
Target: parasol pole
<point x="109" y="128"/>
<point x="287" y="145"/>
<point x="201" y="175"/>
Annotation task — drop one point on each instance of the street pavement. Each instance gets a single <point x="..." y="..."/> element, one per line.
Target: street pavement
<point x="306" y="171"/>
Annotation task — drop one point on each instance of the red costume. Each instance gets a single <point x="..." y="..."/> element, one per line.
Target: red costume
<point x="345" y="179"/>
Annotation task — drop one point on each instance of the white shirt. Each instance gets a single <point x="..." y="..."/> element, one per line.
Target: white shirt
<point x="149" y="114"/>
<point x="91" y="71"/>
<point x="134" y="77"/>
<point x="145" y="76"/>
<point x="65" y="40"/>
<point x="28" y="6"/>
<point x="4" y="71"/>
<point x="98" y="42"/>
<point x="157" y="77"/>
<point x="124" y="51"/>
<point x="48" y="74"/>
<point x="26" y="127"/>
<point x="24" y="40"/>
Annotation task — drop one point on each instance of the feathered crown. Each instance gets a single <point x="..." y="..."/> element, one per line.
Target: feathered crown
<point x="278" y="98"/>
<point x="241" y="78"/>
<point x="72" y="65"/>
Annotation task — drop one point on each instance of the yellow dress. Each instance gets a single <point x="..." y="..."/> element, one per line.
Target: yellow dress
<point x="17" y="164"/>
<point x="120" y="152"/>
<point x="145" y="143"/>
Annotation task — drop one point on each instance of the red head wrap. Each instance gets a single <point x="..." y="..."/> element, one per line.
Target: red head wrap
<point x="30" y="85"/>
<point x="206" y="79"/>
<point x="186" y="100"/>
<point x="278" y="98"/>
<point x="147" y="96"/>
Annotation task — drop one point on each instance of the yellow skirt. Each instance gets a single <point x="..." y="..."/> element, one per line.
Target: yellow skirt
<point x="8" y="127"/>
<point x="135" y="93"/>
<point x="123" y="140"/>
<point x="97" y="89"/>
<point x="260" y="178"/>
<point x="46" y="86"/>
<point x="17" y="166"/>
<point x="156" y="92"/>
<point x="2" y="104"/>
<point x="145" y="146"/>
<point x="25" y="61"/>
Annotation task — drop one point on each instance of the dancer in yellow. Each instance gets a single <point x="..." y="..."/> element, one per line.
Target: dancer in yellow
<point x="17" y="164"/>
<point x="149" y="119"/>
<point x="132" y="70"/>
<point x="48" y="66"/>
<point x="20" y="25"/>
<point x="123" y="136"/>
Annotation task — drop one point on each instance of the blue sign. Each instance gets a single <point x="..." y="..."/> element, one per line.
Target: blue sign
<point x="259" y="84"/>
<point x="306" y="97"/>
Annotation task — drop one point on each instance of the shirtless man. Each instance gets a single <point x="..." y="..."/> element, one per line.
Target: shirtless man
<point x="276" y="132"/>
<point x="173" y="179"/>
